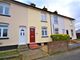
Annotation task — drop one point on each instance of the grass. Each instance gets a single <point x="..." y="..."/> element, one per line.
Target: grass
<point x="8" y="53"/>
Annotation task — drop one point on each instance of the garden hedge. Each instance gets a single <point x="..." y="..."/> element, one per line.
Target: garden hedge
<point x="60" y="37"/>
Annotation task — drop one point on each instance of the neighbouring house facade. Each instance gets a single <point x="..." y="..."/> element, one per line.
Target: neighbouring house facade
<point x="22" y="24"/>
<point x="62" y="25"/>
<point x="78" y="33"/>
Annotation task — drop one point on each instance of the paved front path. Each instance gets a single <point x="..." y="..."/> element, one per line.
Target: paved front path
<point x="71" y="55"/>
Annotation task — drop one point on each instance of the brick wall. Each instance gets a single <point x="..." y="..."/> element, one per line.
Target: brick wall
<point x="57" y="46"/>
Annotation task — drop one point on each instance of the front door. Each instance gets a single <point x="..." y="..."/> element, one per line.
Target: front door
<point x="32" y="34"/>
<point x="22" y="36"/>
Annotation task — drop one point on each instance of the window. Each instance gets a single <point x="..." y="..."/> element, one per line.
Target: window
<point x="0" y="32"/>
<point x="3" y="31"/>
<point x="63" y="31"/>
<point x="72" y="32"/>
<point x="55" y="19"/>
<point x="4" y="8"/>
<point x="43" y="16"/>
<point x="44" y="31"/>
<point x="56" y="31"/>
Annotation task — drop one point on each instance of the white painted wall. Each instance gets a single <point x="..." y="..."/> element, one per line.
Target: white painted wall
<point x="63" y="23"/>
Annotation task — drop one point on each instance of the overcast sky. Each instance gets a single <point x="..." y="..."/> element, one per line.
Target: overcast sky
<point x="69" y="8"/>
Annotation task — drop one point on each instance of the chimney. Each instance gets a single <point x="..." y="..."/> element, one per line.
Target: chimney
<point x="45" y="8"/>
<point x="32" y="4"/>
<point x="55" y="12"/>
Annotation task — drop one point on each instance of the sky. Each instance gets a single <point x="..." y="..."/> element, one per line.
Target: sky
<point x="69" y="8"/>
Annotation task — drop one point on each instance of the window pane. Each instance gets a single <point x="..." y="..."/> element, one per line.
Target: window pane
<point x="72" y="32"/>
<point x="55" y="19"/>
<point x="0" y="32"/>
<point x="5" y="32"/>
<point x="56" y="31"/>
<point x="46" y="32"/>
<point x="42" y="32"/>
<point x="43" y="16"/>
<point x="1" y="9"/>
<point x="7" y="10"/>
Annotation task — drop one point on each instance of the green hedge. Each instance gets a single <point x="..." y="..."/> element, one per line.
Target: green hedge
<point x="60" y="37"/>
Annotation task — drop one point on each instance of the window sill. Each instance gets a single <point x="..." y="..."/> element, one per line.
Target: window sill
<point x="5" y="15"/>
<point x="4" y="38"/>
<point x="44" y="21"/>
<point x="44" y="36"/>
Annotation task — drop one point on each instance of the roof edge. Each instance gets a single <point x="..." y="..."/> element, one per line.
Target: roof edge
<point x="24" y="4"/>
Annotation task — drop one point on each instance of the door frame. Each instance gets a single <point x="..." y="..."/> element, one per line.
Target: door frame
<point x="30" y="33"/>
<point x="25" y="35"/>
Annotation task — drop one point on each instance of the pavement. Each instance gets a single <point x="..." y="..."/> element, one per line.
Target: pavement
<point x="74" y="45"/>
<point x="70" y="55"/>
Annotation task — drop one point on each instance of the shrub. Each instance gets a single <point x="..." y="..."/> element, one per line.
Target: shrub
<point x="60" y="37"/>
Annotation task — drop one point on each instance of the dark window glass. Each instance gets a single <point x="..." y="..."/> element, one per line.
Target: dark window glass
<point x="22" y="29"/>
<point x="21" y="33"/>
<point x="5" y="32"/>
<point x="72" y="33"/>
<point x="1" y="9"/>
<point x="42" y="32"/>
<point x="56" y="31"/>
<point x="0" y="32"/>
<point x="7" y="10"/>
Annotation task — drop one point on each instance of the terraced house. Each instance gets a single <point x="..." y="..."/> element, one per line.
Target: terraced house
<point x="21" y="24"/>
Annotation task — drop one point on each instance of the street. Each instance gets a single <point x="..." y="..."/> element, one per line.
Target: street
<point x="71" y="55"/>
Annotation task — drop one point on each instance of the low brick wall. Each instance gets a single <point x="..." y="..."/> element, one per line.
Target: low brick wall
<point x="57" y="46"/>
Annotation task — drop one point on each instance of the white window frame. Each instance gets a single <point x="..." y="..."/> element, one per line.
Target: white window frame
<point x="5" y="5"/>
<point x="2" y="28"/>
<point x="43" y="16"/>
<point x="43" y="30"/>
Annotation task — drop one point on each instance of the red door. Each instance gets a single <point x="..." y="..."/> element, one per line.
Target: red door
<point x="32" y="34"/>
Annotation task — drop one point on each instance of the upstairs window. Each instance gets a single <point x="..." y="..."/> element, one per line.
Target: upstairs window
<point x="4" y="8"/>
<point x="3" y="30"/>
<point x="55" y="19"/>
<point x="43" y="16"/>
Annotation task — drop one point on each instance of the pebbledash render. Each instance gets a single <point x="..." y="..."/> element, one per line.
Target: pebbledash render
<point x="21" y="24"/>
